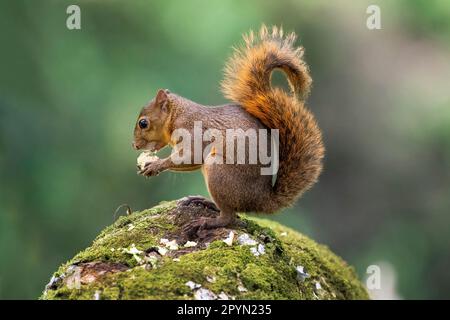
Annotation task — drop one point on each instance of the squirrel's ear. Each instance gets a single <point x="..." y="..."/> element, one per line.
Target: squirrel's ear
<point x="162" y="95"/>
<point x="162" y="98"/>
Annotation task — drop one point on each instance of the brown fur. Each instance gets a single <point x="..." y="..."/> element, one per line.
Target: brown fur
<point x="242" y="188"/>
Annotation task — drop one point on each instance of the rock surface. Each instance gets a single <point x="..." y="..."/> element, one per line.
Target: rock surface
<point x="146" y="255"/>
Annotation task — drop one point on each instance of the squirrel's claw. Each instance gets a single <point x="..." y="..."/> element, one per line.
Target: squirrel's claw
<point x="194" y="228"/>
<point x="150" y="169"/>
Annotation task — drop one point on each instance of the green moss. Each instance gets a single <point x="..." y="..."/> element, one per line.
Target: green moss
<point x="143" y="229"/>
<point x="232" y="270"/>
<point x="334" y="275"/>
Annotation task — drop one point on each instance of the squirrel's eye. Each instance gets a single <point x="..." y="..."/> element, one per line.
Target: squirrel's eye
<point x="143" y="124"/>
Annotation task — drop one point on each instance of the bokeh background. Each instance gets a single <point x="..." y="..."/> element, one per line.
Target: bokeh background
<point x="69" y="100"/>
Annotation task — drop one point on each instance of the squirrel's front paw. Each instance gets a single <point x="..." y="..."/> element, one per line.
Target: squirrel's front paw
<point x="151" y="169"/>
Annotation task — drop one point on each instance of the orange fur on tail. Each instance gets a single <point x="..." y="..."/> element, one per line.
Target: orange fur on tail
<point x="248" y="82"/>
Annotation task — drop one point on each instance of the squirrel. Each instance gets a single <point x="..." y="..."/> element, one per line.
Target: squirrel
<point x="241" y="187"/>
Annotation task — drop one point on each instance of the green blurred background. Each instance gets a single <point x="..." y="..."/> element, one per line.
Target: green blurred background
<point x="69" y="99"/>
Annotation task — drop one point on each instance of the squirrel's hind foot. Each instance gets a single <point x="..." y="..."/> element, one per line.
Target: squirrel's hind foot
<point x="198" y="227"/>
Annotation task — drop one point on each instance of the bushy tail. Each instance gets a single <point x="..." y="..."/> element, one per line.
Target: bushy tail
<point x="248" y="82"/>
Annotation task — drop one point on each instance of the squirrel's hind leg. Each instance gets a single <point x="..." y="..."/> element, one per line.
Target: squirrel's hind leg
<point x="224" y="219"/>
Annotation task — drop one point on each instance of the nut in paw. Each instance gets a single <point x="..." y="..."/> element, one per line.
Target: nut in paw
<point x="145" y="158"/>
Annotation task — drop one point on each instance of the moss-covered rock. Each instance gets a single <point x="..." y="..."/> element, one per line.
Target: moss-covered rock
<point x="146" y="255"/>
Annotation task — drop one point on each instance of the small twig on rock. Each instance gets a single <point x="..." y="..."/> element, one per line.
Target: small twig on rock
<point x="129" y="211"/>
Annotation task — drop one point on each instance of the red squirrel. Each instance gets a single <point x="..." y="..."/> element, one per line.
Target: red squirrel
<point x="258" y="105"/>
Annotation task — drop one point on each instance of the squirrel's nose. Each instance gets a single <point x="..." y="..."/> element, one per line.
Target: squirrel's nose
<point x="135" y="146"/>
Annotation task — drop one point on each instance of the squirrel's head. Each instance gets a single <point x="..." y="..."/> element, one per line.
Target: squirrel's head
<point x="152" y="131"/>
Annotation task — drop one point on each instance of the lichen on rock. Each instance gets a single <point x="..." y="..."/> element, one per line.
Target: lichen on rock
<point x="146" y="255"/>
